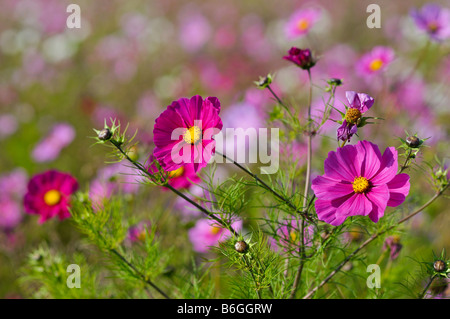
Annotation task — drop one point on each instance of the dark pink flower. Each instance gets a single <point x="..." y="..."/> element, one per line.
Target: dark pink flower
<point x="48" y="195"/>
<point x="184" y="133"/>
<point x="359" y="103"/>
<point x="434" y="20"/>
<point x="301" y="58"/>
<point x="358" y="180"/>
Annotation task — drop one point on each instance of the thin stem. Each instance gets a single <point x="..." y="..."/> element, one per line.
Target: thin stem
<point x="305" y="194"/>
<point x="253" y="277"/>
<point x="406" y="165"/>
<point x="369" y="240"/>
<point x="141" y="275"/>
<point x="422" y="295"/>
<point x="267" y="187"/>
<point x="141" y="168"/>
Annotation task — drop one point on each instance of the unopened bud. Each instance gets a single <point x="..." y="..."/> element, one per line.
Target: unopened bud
<point x="241" y="246"/>
<point x="413" y="141"/>
<point x="105" y="134"/>
<point x="439" y="266"/>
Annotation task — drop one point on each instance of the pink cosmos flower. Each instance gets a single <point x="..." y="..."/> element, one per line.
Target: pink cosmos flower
<point x="359" y="103"/>
<point x="206" y="233"/>
<point x="375" y="61"/>
<point x="301" y="22"/>
<point x="184" y="132"/>
<point x="301" y="58"/>
<point x="182" y="177"/>
<point x="48" y="149"/>
<point x="392" y="243"/>
<point x="138" y="232"/>
<point x="434" y="20"/>
<point x="48" y="195"/>
<point x="10" y="213"/>
<point x="358" y="180"/>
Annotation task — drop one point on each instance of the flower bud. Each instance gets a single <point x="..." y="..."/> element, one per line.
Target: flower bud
<point x="302" y="58"/>
<point x="241" y="246"/>
<point x="413" y="141"/>
<point x="105" y="134"/>
<point x="439" y="266"/>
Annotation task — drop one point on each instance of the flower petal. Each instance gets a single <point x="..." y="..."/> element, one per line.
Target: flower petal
<point x="379" y="197"/>
<point x="398" y="189"/>
<point x="388" y="167"/>
<point x="328" y="189"/>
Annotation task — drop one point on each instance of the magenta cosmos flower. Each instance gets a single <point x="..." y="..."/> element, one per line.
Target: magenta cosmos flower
<point x="358" y="180"/>
<point x="184" y="133"/>
<point x="207" y="233"/>
<point x="301" y="58"/>
<point x="359" y="103"/>
<point x="375" y="61"/>
<point x="182" y="177"/>
<point x="434" y="20"/>
<point x="301" y="22"/>
<point x="48" y="195"/>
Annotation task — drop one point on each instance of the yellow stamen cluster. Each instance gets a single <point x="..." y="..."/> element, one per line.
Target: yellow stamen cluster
<point x="353" y="115"/>
<point x="176" y="173"/>
<point x="293" y="236"/>
<point x="215" y="230"/>
<point x="52" y="197"/>
<point x="192" y="135"/>
<point x="360" y="185"/>
<point x="375" y="65"/>
<point x="302" y="24"/>
<point x="432" y="26"/>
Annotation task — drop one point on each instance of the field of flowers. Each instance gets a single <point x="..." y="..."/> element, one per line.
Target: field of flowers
<point x="224" y="149"/>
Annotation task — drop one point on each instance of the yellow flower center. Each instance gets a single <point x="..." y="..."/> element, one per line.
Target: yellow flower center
<point x="353" y="115"/>
<point x="360" y="185"/>
<point x="376" y="64"/>
<point x="192" y="135"/>
<point x="433" y="27"/>
<point x="302" y="24"/>
<point x="293" y="236"/>
<point x="215" y="230"/>
<point x="176" y="173"/>
<point x="52" y="197"/>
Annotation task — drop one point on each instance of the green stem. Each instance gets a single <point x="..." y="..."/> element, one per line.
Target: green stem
<point x="305" y="194"/>
<point x="141" y="275"/>
<point x="422" y="295"/>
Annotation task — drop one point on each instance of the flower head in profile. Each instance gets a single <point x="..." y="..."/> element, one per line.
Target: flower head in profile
<point x="301" y="22"/>
<point x="207" y="233"/>
<point x="183" y="134"/>
<point x="358" y="180"/>
<point x="183" y="177"/>
<point x="375" y="61"/>
<point x="301" y="58"/>
<point x="434" y="20"/>
<point x="359" y="103"/>
<point x="48" y="195"/>
<point x="392" y="243"/>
